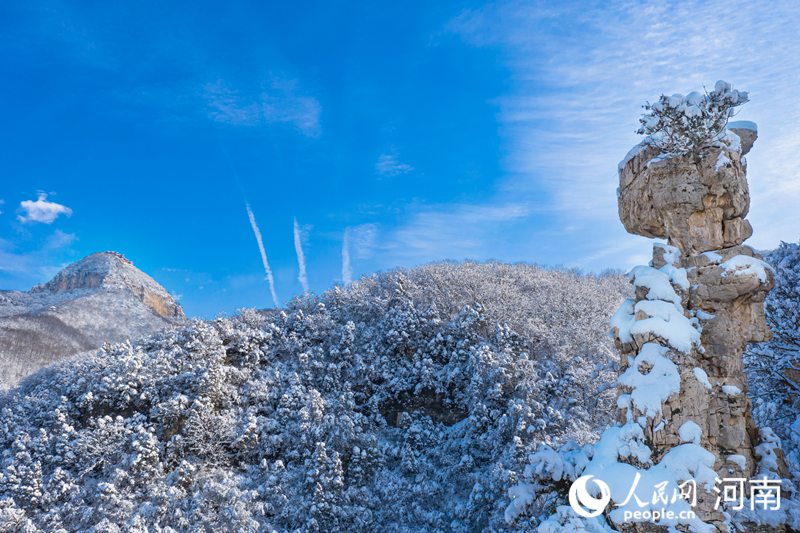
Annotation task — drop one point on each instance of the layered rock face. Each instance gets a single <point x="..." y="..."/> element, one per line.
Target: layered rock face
<point x="697" y="305"/>
<point x="113" y="271"/>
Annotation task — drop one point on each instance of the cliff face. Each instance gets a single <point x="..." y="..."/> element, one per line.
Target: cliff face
<point x="101" y="298"/>
<point x="111" y="271"/>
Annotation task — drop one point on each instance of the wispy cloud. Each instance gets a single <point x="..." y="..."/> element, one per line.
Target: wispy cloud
<point x="41" y="210"/>
<point x="390" y="165"/>
<point x="263" y="252"/>
<point x="280" y="102"/>
<point x="579" y="79"/>
<point x="363" y="240"/>
<point x="59" y="239"/>
<point x="302" y="277"/>
<point x="359" y="241"/>
<point x="22" y="268"/>
<point x="453" y="232"/>
<point x="347" y="270"/>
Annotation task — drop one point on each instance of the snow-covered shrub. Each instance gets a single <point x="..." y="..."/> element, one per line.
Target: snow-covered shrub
<point x="679" y="124"/>
<point x="774" y="367"/>
<point x="409" y="400"/>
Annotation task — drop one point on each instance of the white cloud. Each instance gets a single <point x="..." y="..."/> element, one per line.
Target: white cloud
<point x="389" y="165"/>
<point x="580" y="74"/>
<point x="279" y="103"/>
<point x="40" y="210"/>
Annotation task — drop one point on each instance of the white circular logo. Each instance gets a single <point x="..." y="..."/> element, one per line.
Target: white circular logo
<point x="584" y="503"/>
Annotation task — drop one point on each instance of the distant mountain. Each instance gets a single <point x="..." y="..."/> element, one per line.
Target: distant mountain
<point x="101" y="298"/>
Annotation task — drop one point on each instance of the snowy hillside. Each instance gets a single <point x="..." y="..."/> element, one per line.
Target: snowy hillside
<point x="406" y="401"/>
<point x="101" y="298"/>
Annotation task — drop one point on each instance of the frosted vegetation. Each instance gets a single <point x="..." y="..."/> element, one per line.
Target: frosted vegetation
<point x="774" y="367"/>
<point x="410" y="399"/>
<point x="451" y="397"/>
<point x="679" y="124"/>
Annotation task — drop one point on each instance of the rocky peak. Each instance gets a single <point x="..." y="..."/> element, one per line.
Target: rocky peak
<point x="112" y="271"/>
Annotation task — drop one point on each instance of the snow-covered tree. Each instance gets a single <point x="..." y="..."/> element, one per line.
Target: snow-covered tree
<point x="407" y="400"/>
<point x="679" y="124"/>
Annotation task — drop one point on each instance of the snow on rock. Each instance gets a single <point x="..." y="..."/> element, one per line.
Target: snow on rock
<point x="681" y="463"/>
<point x="657" y="283"/>
<point x="731" y="141"/>
<point x="622" y="320"/>
<point x="690" y="432"/>
<point x="633" y="152"/>
<point x="743" y="125"/>
<point x="652" y="378"/>
<point x="671" y="254"/>
<point x="744" y="265"/>
<point x="704" y="315"/>
<point x="722" y="160"/>
<point x="713" y="257"/>
<point x="667" y="321"/>
<point x="731" y="390"/>
<point x="677" y="276"/>
<point x="702" y="377"/>
<point x="738" y="460"/>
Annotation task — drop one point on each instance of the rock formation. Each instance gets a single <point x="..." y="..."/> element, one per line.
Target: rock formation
<point x="696" y="306"/>
<point x="101" y="298"/>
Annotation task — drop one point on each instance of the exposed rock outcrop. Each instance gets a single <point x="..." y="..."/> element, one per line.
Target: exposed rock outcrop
<point x="113" y="271"/>
<point x="700" y="301"/>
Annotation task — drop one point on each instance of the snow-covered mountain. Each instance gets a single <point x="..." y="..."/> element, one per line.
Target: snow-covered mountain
<point x="407" y="401"/>
<point x="101" y="298"/>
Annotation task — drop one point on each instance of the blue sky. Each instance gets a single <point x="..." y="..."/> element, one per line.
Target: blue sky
<point x="421" y="130"/>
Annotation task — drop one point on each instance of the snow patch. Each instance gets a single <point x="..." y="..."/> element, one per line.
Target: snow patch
<point x="731" y="390"/>
<point x="657" y="283"/>
<point x="633" y="152"/>
<point x="743" y="125"/>
<point x="652" y="378"/>
<point x="622" y="320"/>
<point x="690" y="432"/>
<point x="738" y="460"/>
<point x="744" y="265"/>
<point x="702" y="377"/>
<point x="666" y="321"/>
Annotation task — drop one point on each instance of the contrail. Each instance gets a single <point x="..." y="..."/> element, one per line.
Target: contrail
<point x="301" y="258"/>
<point x="347" y="274"/>
<point x="267" y="270"/>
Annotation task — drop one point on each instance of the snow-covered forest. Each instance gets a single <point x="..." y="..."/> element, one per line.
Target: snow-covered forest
<point x="407" y="401"/>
